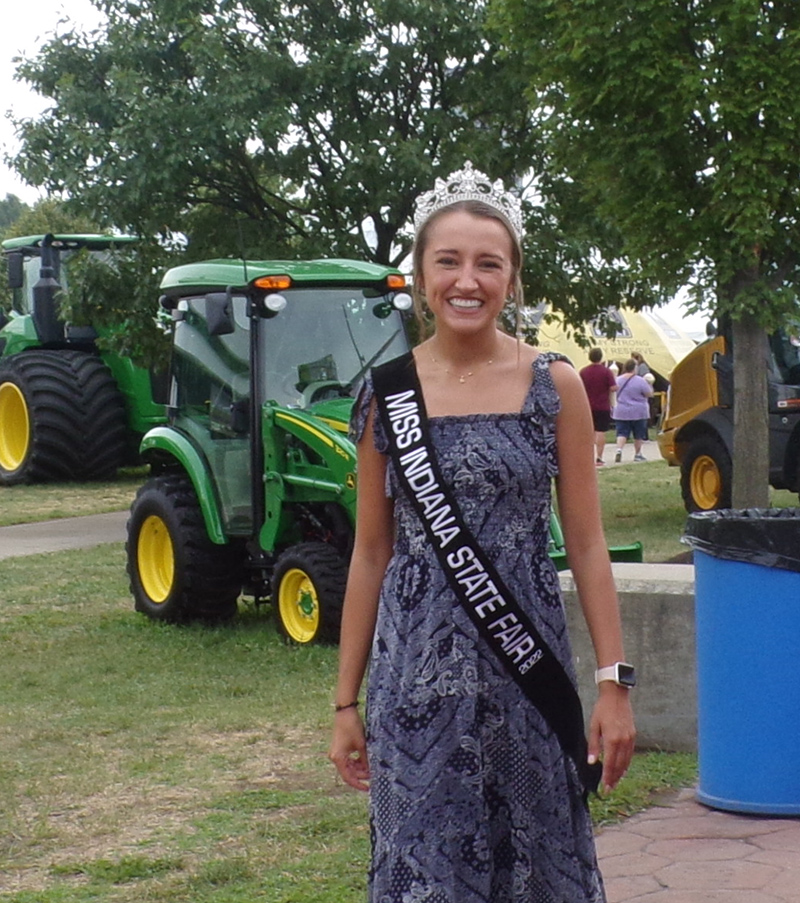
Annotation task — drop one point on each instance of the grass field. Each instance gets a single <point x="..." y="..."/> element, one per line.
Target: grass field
<point x="49" y="501"/>
<point x="141" y="762"/>
<point x="643" y="501"/>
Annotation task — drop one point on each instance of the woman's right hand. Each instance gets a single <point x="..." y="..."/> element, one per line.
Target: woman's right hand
<point x="348" y="750"/>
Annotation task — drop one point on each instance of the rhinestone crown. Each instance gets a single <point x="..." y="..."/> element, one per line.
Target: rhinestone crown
<point x="469" y="184"/>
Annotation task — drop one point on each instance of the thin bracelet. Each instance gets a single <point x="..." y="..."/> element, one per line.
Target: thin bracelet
<point x="349" y="705"/>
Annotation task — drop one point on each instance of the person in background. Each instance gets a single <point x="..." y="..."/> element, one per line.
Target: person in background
<point x="642" y="367"/>
<point x="600" y="389"/>
<point x="632" y="410"/>
<point x="643" y="370"/>
<point x="475" y="796"/>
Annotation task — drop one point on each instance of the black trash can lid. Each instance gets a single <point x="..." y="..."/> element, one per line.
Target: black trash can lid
<point x="765" y="536"/>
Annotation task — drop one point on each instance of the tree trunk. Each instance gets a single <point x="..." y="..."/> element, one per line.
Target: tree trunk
<point x="750" y="415"/>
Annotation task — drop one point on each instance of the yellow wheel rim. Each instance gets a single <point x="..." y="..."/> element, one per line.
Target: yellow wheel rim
<point x="298" y="606"/>
<point x="15" y="427"/>
<point x="155" y="559"/>
<point x="705" y="482"/>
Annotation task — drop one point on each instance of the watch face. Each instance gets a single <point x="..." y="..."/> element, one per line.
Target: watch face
<point x="626" y="675"/>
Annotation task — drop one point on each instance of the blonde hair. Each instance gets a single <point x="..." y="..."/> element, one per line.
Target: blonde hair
<point x="482" y="211"/>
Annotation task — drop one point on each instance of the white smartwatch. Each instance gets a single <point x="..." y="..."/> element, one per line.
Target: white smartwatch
<point x="621" y="673"/>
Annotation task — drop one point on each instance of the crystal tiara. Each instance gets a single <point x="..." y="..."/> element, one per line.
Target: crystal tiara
<point x="469" y="184"/>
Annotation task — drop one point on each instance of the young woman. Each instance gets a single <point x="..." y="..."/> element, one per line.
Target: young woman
<point x="473" y="797"/>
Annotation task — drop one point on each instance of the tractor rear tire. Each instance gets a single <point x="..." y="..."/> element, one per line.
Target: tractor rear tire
<point x="308" y="593"/>
<point x="176" y="572"/>
<point x="706" y="475"/>
<point x="62" y="417"/>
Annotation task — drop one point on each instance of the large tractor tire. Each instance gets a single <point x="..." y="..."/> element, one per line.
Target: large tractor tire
<point x="308" y="592"/>
<point x="62" y="417"/>
<point x="176" y="573"/>
<point x="706" y="475"/>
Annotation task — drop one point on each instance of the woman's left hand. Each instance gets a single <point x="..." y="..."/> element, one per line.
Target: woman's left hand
<point x="611" y="732"/>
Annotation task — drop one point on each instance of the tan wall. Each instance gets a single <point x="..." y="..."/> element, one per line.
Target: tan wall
<point x="657" y="605"/>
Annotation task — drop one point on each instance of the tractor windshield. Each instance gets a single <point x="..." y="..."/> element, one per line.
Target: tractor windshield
<point x="324" y="341"/>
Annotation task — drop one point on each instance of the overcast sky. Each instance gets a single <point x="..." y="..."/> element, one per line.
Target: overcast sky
<point x="29" y="24"/>
<point x="25" y="27"/>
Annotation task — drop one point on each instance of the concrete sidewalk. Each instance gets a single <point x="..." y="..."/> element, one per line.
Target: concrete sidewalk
<point x="649" y="450"/>
<point x="683" y="852"/>
<point x="66" y="533"/>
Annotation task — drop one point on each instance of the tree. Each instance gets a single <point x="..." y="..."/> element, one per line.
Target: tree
<point x="116" y="293"/>
<point x="11" y="209"/>
<point x="49" y="215"/>
<point x="301" y="128"/>
<point x="314" y="121"/>
<point x="678" y="122"/>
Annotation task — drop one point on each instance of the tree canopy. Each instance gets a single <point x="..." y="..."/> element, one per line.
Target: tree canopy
<point x="311" y="123"/>
<point x="302" y="128"/>
<point x="11" y="209"/>
<point x="679" y="123"/>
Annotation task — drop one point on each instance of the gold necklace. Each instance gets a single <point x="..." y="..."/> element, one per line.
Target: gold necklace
<point x="464" y="376"/>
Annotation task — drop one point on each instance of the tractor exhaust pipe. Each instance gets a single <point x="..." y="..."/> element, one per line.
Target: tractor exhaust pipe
<point x="49" y="327"/>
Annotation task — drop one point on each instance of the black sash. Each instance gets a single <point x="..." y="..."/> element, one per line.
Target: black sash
<point x="471" y="575"/>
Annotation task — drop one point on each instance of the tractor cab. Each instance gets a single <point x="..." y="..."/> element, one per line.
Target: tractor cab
<point x="38" y="272"/>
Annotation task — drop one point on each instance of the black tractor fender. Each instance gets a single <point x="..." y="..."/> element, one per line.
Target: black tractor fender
<point x="712" y="422"/>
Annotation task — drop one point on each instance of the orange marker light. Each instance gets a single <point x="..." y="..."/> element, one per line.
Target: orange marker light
<point x="395" y="280"/>
<point x="273" y="282"/>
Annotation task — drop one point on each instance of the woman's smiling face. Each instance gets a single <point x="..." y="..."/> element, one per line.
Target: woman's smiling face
<point x="467" y="273"/>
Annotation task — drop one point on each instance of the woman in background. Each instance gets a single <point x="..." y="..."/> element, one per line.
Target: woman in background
<point x="632" y="411"/>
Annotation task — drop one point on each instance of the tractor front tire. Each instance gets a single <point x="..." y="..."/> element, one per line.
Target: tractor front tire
<point x="176" y="573"/>
<point x="706" y="475"/>
<point x="308" y="593"/>
<point x="61" y="418"/>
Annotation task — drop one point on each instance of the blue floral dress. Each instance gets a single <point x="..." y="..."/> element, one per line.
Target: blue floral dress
<point x="472" y="799"/>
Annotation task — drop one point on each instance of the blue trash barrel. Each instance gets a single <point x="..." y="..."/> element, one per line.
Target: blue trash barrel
<point x="747" y="607"/>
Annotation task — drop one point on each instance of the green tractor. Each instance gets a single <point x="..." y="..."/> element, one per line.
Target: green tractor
<point x="266" y="356"/>
<point x="252" y="483"/>
<point x="67" y="410"/>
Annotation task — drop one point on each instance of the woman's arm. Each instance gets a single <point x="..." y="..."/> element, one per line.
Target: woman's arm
<point x="611" y="728"/>
<point x="372" y="550"/>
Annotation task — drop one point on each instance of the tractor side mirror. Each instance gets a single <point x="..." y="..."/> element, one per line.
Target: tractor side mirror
<point x="16" y="275"/>
<point x="219" y="313"/>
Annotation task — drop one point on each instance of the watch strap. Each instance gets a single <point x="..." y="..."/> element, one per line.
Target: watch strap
<point x="621" y="673"/>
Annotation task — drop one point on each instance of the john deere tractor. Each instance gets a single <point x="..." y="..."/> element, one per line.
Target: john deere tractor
<point x="67" y="410"/>
<point x="253" y="478"/>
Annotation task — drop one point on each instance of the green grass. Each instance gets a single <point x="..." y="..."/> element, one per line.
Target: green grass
<point x="24" y="504"/>
<point x="142" y="762"/>
<point x="650" y="774"/>
<point x="643" y="502"/>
